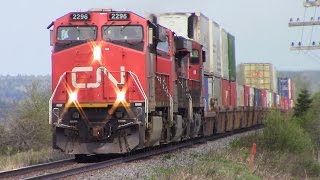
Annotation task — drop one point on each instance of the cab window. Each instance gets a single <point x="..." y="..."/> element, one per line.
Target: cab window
<point x="164" y="46"/>
<point x="125" y="35"/>
<point x="122" y="33"/>
<point x="194" y="56"/>
<point x="77" y="33"/>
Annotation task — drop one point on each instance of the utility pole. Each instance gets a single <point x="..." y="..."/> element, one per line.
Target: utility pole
<point x="311" y="22"/>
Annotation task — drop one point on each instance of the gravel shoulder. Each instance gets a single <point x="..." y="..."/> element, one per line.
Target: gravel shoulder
<point x="151" y="168"/>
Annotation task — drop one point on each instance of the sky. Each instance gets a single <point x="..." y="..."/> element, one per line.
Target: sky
<point x="260" y="27"/>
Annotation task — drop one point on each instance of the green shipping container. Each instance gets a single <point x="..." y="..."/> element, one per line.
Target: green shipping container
<point x="232" y="58"/>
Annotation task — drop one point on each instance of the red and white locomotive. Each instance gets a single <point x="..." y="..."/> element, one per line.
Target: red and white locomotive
<point x="121" y="82"/>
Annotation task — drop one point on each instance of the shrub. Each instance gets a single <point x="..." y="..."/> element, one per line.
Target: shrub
<point x="283" y="134"/>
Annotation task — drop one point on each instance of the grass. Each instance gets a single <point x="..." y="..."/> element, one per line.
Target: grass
<point x="284" y="147"/>
<point x="285" y="150"/>
<point x="30" y="157"/>
<point x="215" y="165"/>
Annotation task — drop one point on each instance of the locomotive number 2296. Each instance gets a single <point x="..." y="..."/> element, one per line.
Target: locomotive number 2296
<point x="80" y="16"/>
<point x="119" y="16"/>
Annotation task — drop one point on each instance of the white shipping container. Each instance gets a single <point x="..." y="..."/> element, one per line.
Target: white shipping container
<point x="278" y="101"/>
<point x="274" y="79"/>
<point x="179" y="23"/>
<point x="269" y="99"/>
<point x="217" y="91"/>
<point x="215" y="57"/>
<point x="251" y="102"/>
<point x="224" y="54"/>
<point x="240" y="95"/>
<point x="291" y="104"/>
<point x="290" y="88"/>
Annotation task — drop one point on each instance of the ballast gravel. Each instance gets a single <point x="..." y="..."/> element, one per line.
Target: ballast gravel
<point x="147" y="168"/>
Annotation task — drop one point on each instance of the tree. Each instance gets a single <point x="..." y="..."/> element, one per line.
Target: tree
<point x="29" y="125"/>
<point x="303" y="104"/>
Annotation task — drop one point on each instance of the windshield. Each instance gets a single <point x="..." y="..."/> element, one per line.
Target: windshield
<point x="123" y="33"/>
<point x="77" y="33"/>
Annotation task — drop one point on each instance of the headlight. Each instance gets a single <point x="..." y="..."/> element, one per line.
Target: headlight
<point x="73" y="97"/>
<point x="97" y="53"/>
<point x="121" y="96"/>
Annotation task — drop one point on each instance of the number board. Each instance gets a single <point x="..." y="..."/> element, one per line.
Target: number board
<point x="80" y="17"/>
<point x="119" y="16"/>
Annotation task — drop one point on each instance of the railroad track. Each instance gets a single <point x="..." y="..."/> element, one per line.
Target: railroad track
<point x="130" y="157"/>
<point x="35" y="168"/>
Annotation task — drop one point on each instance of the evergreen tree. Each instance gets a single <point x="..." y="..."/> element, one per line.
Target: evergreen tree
<point x="303" y="103"/>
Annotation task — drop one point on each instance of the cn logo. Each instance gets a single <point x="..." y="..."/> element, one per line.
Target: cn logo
<point x="99" y="72"/>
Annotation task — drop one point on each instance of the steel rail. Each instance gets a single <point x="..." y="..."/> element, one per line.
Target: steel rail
<point x="142" y="154"/>
<point x="34" y="168"/>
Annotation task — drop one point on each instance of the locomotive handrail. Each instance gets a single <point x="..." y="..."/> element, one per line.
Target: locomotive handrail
<point x="52" y="96"/>
<point x="169" y="96"/>
<point x="137" y="81"/>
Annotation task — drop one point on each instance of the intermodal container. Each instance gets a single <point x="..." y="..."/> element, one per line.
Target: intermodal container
<point x="233" y="93"/>
<point x="286" y="103"/>
<point x="258" y="75"/>
<point x="252" y="94"/>
<point x="285" y="87"/>
<point x="217" y="91"/>
<point x="193" y="25"/>
<point x="246" y="91"/>
<point x="241" y="96"/>
<point x="206" y="93"/>
<point x="264" y="101"/>
<point x="224" y="54"/>
<point x="232" y="58"/>
<point x="225" y="92"/>
<point x="291" y="104"/>
<point x="212" y="103"/>
<point x="257" y="97"/>
<point x="277" y="101"/>
<point x="215" y="56"/>
<point x="270" y="100"/>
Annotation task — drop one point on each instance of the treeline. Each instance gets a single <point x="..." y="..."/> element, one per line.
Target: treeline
<point x="13" y="89"/>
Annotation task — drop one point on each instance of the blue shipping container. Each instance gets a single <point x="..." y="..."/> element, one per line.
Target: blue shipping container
<point x="257" y="97"/>
<point x="284" y="87"/>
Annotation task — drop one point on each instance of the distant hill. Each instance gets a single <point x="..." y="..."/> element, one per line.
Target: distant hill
<point x="13" y="89"/>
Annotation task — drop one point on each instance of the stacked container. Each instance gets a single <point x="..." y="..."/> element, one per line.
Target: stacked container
<point x="232" y="58"/>
<point x="285" y="87"/>
<point x="233" y="93"/>
<point x="224" y="54"/>
<point x="264" y="94"/>
<point x="257" y="97"/>
<point x="241" y="96"/>
<point x="225" y="93"/>
<point x="194" y="26"/>
<point x="246" y="91"/>
<point x="215" y="56"/>
<point x="258" y="75"/>
<point x="252" y="97"/>
<point x="217" y="90"/>
<point x="270" y="100"/>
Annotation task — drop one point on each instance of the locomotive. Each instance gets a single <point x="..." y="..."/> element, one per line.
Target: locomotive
<point x="122" y="82"/>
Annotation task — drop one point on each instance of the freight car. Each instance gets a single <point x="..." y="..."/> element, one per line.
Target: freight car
<point x="121" y="82"/>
